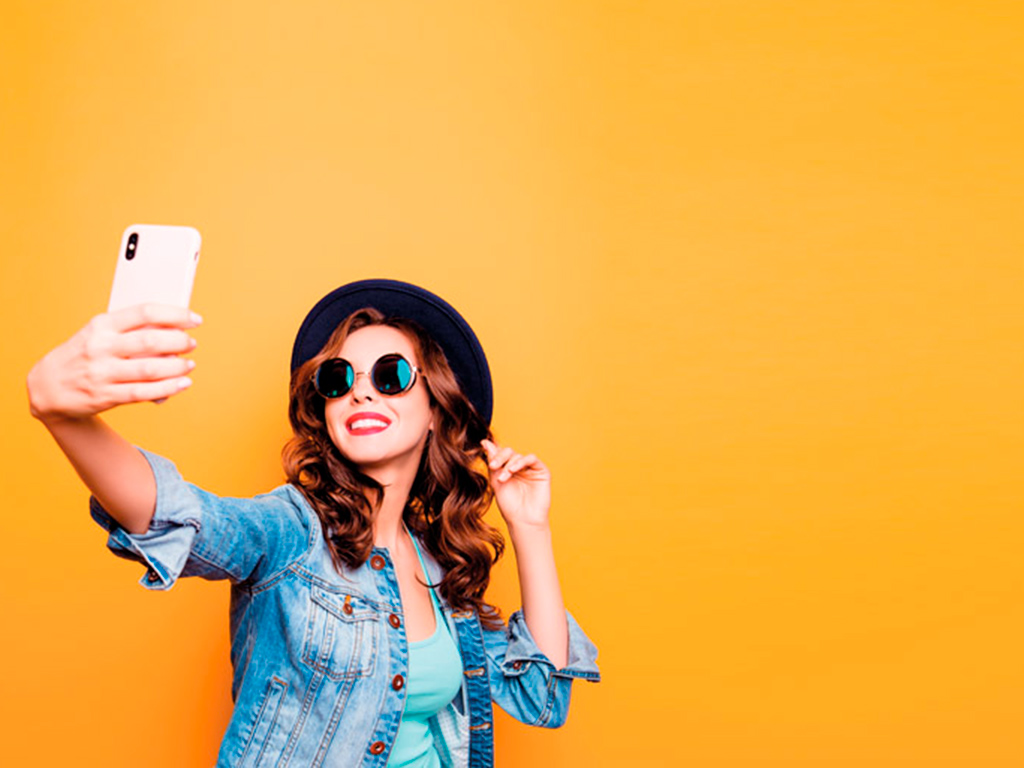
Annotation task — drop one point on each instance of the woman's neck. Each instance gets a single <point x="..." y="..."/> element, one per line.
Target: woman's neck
<point x="396" y="478"/>
<point x="387" y="525"/>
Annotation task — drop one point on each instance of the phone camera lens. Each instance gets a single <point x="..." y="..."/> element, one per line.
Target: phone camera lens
<point x="133" y="241"/>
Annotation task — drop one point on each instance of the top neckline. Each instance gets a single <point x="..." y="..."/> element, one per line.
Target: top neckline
<point x="434" y="602"/>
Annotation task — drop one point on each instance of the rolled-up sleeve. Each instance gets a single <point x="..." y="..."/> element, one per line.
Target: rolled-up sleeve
<point x="525" y="683"/>
<point x="196" y="533"/>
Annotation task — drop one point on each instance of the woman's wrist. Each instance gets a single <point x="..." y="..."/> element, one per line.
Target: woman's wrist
<point x="524" y="533"/>
<point x="38" y="404"/>
<point x="43" y="403"/>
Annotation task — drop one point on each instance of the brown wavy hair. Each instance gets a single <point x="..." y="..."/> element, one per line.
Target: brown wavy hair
<point x="451" y="491"/>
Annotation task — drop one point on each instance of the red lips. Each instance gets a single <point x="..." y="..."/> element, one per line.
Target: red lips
<point x="366" y="423"/>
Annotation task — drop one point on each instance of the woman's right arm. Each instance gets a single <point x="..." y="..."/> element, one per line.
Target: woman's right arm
<point x="129" y="356"/>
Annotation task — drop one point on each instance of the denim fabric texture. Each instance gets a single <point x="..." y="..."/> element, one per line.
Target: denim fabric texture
<point x="320" y="658"/>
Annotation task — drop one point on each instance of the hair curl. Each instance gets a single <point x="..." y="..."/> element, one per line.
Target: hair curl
<point x="451" y="491"/>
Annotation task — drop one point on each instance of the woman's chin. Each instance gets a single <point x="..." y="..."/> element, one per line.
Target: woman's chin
<point x="381" y="465"/>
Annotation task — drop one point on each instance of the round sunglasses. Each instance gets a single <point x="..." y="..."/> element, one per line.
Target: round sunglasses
<point x="391" y="375"/>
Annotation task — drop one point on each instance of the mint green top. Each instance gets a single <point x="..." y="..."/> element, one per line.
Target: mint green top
<point x="435" y="677"/>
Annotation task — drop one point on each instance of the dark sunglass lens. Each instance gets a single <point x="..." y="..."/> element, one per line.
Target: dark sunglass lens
<point x="392" y="374"/>
<point x="334" y="378"/>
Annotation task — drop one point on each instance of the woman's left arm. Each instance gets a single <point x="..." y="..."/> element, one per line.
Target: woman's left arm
<point x="522" y="488"/>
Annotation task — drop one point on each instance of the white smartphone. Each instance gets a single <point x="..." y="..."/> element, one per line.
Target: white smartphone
<point x="156" y="263"/>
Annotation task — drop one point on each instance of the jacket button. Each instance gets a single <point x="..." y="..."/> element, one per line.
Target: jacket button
<point x="376" y="562"/>
<point x="517" y="665"/>
<point x="347" y="608"/>
<point x="152" y="577"/>
<point x="377" y="747"/>
<point x="398" y="682"/>
<point x="394" y="621"/>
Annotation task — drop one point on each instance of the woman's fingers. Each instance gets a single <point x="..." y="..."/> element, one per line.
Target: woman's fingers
<point x="509" y="462"/>
<point x="148" y="369"/>
<point x="141" y="391"/>
<point x="151" y="342"/>
<point x="521" y="462"/>
<point x="142" y="315"/>
<point x="145" y="330"/>
<point x="118" y="382"/>
<point x="529" y="465"/>
<point x="126" y="356"/>
<point x="500" y="458"/>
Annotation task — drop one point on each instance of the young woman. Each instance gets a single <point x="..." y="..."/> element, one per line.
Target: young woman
<point x="359" y="631"/>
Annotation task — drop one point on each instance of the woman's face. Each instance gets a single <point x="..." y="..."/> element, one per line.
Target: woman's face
<point x="382" y="435"/>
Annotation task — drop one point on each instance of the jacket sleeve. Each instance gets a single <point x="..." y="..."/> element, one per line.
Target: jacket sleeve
<point x="523" y="680"/>
<point x="195" y="533"/>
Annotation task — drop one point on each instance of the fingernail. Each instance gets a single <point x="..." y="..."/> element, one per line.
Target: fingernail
<point x="191" y="364"/>
<point x="195" y="318"/>
<point x="184" y="382"/>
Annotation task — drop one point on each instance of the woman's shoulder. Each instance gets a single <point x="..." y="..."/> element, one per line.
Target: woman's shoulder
<point x="288" y="499"/>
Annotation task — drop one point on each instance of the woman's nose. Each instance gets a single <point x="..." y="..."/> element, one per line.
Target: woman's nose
<point x="362" y="389"/>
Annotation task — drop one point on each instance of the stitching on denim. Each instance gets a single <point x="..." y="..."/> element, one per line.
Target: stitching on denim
<point x="332" y="724"/>
<point x="322" y="659"/>
<point x="315" y="581"/>
<point x="273" y="721"/>
<point x="330" y="586"/>
<point x="581" y="674"/>
<point x="488" y="755"/>
<point x="259" y="717"/>
<point x="269" y="583"/>
<point x="305" y="512"/>
<point x="549" y="704"/>
<point x="211" y="563"/>
<point x="315" y="684"/>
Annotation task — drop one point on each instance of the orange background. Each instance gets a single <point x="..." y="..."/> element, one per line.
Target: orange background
<point x="749" y="275"/>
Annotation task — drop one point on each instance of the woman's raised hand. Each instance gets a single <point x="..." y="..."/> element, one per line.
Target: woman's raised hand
<point x="128" y="356"/>
<point x="522" y="486"/>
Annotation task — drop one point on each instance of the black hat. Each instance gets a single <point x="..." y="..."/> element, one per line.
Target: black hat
<point x="397" y="299"/>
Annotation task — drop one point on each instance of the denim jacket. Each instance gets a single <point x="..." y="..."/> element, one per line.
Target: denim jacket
<point x="320" y="658"/>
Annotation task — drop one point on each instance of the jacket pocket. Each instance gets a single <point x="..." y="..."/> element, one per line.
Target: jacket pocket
<point x="341" y="637"/>
<point x="266" y="716"/>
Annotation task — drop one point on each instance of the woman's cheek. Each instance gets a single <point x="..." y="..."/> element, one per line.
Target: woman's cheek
<point x="334" y="429"/>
